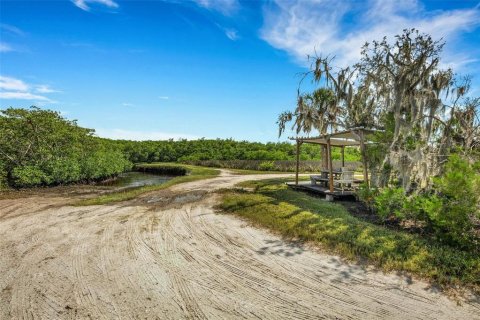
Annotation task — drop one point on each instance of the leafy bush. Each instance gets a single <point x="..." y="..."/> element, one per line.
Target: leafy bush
<point x="267" y="166"/>
<point x="389" y="203"/>
<point x="367" y="195"/>
<point x="39" y="147"/>
<point x="450" y="210"/>
<point x="458" y="192"/>
<point x="420" y="207"/>
<point x="3" y="176"/>
<point x="28" y="176"/>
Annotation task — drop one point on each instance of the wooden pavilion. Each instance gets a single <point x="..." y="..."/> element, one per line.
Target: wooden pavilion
<point x="351" y="137"/>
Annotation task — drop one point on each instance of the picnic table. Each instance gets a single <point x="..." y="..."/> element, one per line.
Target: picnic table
<point x="343" y="178"/>
<point x="324" y="177"/>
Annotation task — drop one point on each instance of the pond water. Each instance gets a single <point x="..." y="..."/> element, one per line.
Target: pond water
<point x="136" y="179"/>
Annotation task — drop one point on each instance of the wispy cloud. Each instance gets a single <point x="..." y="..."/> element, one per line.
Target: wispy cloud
<point x="125" y="104"/>
<point x="8" y="83"/>
<point x="43" y="88"/>
<point x="226" y="7"/>
<point x="231" y="34"/>
<point x="16" y="89"/>
<point x="164" y="97"/>
<point x="84" y="4"/>
<point x="23" y="96"/>
<point x="5" y="47"/>
<point x="325" y="26"/>
<point x="11" y="29"/>
<point x="141" y="135"/>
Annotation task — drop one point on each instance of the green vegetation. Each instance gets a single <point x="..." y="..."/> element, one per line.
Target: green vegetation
<point x="450" y="212"/>
<point x="424" y="166"/>
<point x="422" y="113"/>
<point x="40" y="148"/>
<point x="278" y="165"/>
<point x="300" y="216"/>
<point x="221" y="150"/>
<point x="165" y="169"/>
<point x="247" y="171"/>
<point x="193" y="173"/>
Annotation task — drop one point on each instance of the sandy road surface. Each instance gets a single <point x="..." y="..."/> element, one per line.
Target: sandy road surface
<point x="167" y="255"/>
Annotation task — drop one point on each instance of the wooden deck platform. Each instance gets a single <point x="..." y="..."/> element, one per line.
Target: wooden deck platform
<point x="318" y="189"/>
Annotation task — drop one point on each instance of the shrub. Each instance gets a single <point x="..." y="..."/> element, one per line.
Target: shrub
<point x="63" y="170"/>
<point x="28" y="176"/>
<point x="367" y="195"/>
<point x="419" y="208"/>
<point x="3" y="177"/>
<point x="458" y="192"/>
<point x="40" y="147"/>
<point x="267" y="166"/>
<point x="389" y="203"/>
<point x="450" y="211"/>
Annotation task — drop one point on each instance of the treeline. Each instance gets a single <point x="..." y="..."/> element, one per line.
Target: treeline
<point x="305" y="166"/>
<point x="41" y="148"/>
<point x="222" y="149"/>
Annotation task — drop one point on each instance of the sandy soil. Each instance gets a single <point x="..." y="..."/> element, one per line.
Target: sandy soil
<point x="168" y="255"/>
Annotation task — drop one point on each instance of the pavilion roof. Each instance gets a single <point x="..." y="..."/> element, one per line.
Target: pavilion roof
<point x="348" y="137"/>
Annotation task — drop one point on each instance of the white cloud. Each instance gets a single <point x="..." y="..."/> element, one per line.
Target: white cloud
<point x="11" y="29"/>
<point x="163" y="97"/>
<point x="331" y="27"/>
<point x="141" y="135"/>
<point x="7" y="83"/>
<point x="17" y="95"/>
<point x="125" y="104"/>
<point x="16" y="89"/>
<point x="43" y="88"/>
<point x="225" y="7"/>
<point x="231" y="34"/>
<point x="4" y="47"/>
<point x="83" y="4"/>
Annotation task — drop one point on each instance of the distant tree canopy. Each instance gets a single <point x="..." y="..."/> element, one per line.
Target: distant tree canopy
<point x="40" y="147"/>
<point x="219" y="149"/>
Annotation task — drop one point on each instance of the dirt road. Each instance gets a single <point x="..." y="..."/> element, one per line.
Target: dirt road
<point x="167" y="255"/>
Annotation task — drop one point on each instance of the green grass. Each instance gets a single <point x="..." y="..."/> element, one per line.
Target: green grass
<point x="300" y="216"/>
<point x="194" y="173"/>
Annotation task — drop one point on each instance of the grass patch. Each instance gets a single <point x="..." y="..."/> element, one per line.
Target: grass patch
<point x="301" y="216"/>
<point x="194" y="173"/>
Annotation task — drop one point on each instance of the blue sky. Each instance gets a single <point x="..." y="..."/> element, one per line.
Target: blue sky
<point x="168" y="69"/>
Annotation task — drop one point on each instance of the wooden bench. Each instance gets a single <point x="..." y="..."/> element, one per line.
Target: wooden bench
<point x="318" y="178"/>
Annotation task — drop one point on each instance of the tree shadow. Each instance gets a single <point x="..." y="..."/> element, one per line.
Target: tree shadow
<point x="282" y="248"/>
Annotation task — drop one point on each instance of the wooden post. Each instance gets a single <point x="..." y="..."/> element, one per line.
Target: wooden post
<point x="324" y="156"/>
<point x="330" y="166"/>
<point x="343" y="156"/>
<point x="298" y="162"/>
<point x="364" y="159"/>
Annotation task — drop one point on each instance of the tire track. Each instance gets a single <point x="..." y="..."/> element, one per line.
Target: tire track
<point x="182" y="260"/>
